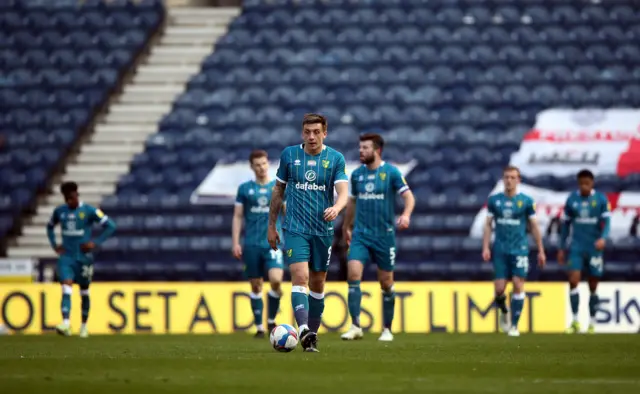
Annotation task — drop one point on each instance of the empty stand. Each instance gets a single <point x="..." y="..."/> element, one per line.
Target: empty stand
<point x="60" y="63"/>
<point x="453" y="84"/>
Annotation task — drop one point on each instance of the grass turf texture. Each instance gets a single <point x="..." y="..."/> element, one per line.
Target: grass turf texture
<point x="437" y="363"/>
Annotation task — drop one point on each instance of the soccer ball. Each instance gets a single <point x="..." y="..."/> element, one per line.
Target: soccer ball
<point x="284" y="338"/>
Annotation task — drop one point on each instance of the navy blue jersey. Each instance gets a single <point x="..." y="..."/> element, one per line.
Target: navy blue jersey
<point x="310" y="181"/>
<point x="375" y="193"/>
<point x="511" y="215"/>
<point x="588" y="217"/>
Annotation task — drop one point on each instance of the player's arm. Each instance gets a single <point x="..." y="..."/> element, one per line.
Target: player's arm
<point x="236" y="223"/>
<point x="535" y="232"/>
<point x="341" y="184"/>
<point x="487" y="230"/>
<point x="277" y="201"/>
<point x="349" y="217"/>
<point x="402" y="188"/>
<point x="51" y="234"/>
<point x="108" y="226"/>
<point x="605" y="223"/>
<point x="565" y="227"/>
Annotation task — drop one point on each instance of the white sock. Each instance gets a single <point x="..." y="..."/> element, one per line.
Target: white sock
<point x="302" y="328"/>
<point x="592" y="321"/>
<point x="83" y="326"/>
<point x="65" y="322"/>
<point x="575" y="318"/>
<point x="271" y="321"/>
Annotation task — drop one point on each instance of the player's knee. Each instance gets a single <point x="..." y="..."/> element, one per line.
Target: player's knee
<point x="354" y="275"/>
<point x="256" y="285"/>
<point x="276" y="286"/>
<point x="386" y="284"/>
<point x="67" y="282"/>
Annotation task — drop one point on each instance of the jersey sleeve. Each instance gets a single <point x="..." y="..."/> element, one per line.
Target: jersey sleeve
<point x="55" y="218"/>
<point x="353" y="183"/>
<point x="491" y="208"/>
<point x="606" y="208"/>
<point x="567" y="215"/>
<point x="340" y="171"/>
<point x="398" y="182"/>
<point x="531" y="208"/>
<point x="283" y="168"/>
<point x="240" y="197"/>
<point x="97" y="216"/>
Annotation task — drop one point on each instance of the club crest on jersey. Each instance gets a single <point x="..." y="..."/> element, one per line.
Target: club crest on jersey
<point x="593" y="203"/>
<point x="383" y="175"/>
<point x="310" y="176"/>
<point x="325" y="163"/>
<point x="369" y="187"/>
<point x="81" y="215"/>
<point x="289" y="252"/>
<point x="519" y="204"/>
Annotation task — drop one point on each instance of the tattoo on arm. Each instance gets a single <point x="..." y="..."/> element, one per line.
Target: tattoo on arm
<point x="276" y="202"/>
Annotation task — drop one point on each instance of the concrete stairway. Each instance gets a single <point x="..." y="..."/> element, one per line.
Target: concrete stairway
<point x="188" y="38"/>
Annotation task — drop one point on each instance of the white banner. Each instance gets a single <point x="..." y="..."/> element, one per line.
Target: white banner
<point x="221" y="184"/>
<point x="565" y="141"/>
<point x="16" y="270"/>
<point x="549" y="205"/>
<point x="618" y="311"/>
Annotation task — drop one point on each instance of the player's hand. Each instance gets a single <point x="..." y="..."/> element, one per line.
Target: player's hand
<point x="542" y="259"/>
<point x="87" y="247"/>
<point x="330" y="214"/>
<point x="486" y="255"/>
<point x="600" y="243"/>
<point x="273" y="237"/>
<point x="236" y="251"/>
<point x="59" y="250"/>
<point x="561" y="257"/>
<point x="403" y="222"/>
<point x="347" y="232"/>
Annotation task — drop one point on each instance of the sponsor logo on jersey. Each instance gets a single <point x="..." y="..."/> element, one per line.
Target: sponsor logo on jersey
<point x="508" y="221"/>
<point x="310" y="186"/>
<point x="369" y="187"/>
<point x="370" y="196"/>
<point x="310" y="176"/>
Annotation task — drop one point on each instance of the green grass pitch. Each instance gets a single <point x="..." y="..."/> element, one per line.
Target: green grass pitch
<point x="225" y="364"/>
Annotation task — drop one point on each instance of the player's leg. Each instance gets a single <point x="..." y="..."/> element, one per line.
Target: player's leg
<point x="574" y="270"/>
<point x="500" y="274"/>
<point x="519" y="267"/>
<point x="358" y="255"/>
<point x="66" y="275"/>
<point x="297" y="258"/>
<point x="384" y="254"/>
<point x="83" y="277"/>
<point x="275" y="273"/>
<point x="596" y="269"/>
<point x="252" y="258"/>
<point x="319" y="265"/>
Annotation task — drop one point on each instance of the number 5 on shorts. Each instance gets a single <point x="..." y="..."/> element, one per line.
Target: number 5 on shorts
<point x="392" y="256"/>
<point x="277" y="256"/>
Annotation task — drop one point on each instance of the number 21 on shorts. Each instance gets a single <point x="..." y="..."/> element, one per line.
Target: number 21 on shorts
<point x="329" y="255"/>
<point x="522" y="262"/>
<point x="392" y="256"/>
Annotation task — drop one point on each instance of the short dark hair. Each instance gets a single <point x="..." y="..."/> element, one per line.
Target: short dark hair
<point x="378" y="141"/>
<point x="257" y="154"/>
<point x="313" y="119"/>
<point x="585" y="174"/>
<point x="511" y="168"/>
<point x="68" y="187"/>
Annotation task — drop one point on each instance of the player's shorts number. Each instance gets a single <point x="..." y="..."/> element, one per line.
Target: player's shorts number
<point x="392" y="256"/>
<point x="522" y="262"/>
<point x="329" y="256"/>
<point x="87" y="271"/>
<point x="596" y="262"/>
<point x="277" y="256"/>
